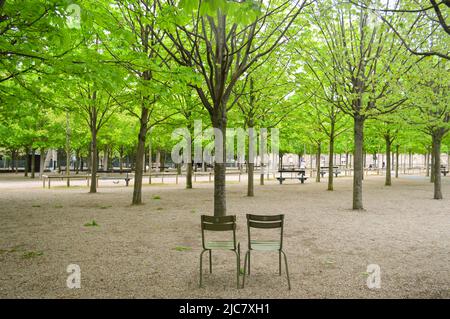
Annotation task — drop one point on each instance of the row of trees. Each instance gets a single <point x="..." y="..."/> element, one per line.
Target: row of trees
<point x="119" y="77"/>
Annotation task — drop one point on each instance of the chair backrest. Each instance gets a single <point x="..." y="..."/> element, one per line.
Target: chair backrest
<point x="223" y="223"/>
<point x="267" y="222"/>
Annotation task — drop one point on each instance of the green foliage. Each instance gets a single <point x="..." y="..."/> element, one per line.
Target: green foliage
<point x="32" y="254"/>
<point x="91" y="224"/>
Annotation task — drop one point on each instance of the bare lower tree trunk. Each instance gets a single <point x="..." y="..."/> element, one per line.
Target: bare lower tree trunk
<point x="437" y="140"/>
<point x="27" y="168"/>
<point x="158" y="159"/>
<point x="94" y="159"/>
<point x="388" y="181"/>
<point x="219" y="122"/>
<point x="33" y="163"/>
<point x="68" y="147"/>
<point x="397" y="160"/>
<point x="189" y="175"/>
<point x="137" y="191"/>
<point x="358" y="162"/>
<point x="68" y="165"/>
<point x="163" y="161"/>
<point x="432" y="165"/>
<point x="250" y="182"/>
<point x="319" y="150"/>
<point x="106" y="158"/>
<point x="13" y="160"/>
<point x="250" y="162"/>
<point x="330" y="160"/>
<point x="42" y="162"/>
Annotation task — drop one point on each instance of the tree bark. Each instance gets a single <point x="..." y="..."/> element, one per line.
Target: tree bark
<point x="330" y="159"/>
<point x="27" y="168"/>
<point x="250" y="160"/>
<point x="162" y="161"/>
<point x="358" y="162"/>
<point x="189" y="175"/>
<point x="42" y="162"/>
<point x="319" y="150"/>
<point x="388" y="181"/>
<point x="250" y="182"/>
<point x="219" y="122"/>
<point x="397" y="159"/>
<point x="137" y="191"/>
<point x="432" y="164"/>
<point x="437" y="141"/>
<point x="33" y="163"/>
<point x="68" y="164"/>
<point x="94" y="159"/>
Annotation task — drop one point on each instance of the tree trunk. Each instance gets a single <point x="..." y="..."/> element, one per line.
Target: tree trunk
<point x="250" y="161"/>
<point x="94" y="159"/>
<point x="319" y="150"/>
<point x="13" y="160"/>
<point x="27" y="168"/>
<point x="150" y="163"/>
<point x="137" y="191"/>
<point x="163" y="161"/>
<point x="189" y="175"/>
<point x="33" y="163"/>
<point x="397" y="160"/>
<point x="388" y="181"/>
<point x="330" y="159"/>
<point x="437" y="140"/>
<point x="219" y="122"/>
<point x="358" y="162"/>
<point x="42" y="162"/>
<point x="250" y="183"/>
<point x="432" y="164"/>
<point x="158" y="159"/>
<point x="106" y="158"/>
<point x="77" y="161"/>
<point x="68" y="165"/>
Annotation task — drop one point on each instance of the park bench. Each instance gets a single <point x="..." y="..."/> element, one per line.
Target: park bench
<point x="64" y="177"/>
<point x="300" y="175"/>
<point x="444" y="172"/>
<point x="324" y="170"/>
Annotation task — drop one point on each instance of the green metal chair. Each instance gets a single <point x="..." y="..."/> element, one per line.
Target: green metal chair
<point x="225" y="223"/>
<point x="267" y="222"/>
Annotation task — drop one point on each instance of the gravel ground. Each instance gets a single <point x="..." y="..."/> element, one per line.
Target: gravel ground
<point x="152" y="250"/>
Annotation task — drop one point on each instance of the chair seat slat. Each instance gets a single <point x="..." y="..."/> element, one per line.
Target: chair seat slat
<point x="265" y="224"/>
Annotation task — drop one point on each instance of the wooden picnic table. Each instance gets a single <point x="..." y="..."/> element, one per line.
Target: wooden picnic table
<point x="300" y="174"/>
<point x="324" y="170"/>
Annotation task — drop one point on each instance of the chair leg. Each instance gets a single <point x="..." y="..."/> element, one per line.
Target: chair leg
<point x="245" y="268"/>
<point x="279" y="263"/>
<point x="201" y="267"/>
<point x="238" y="264"/>
<point x="287" y="270"/>
<point x="249" y="262"/>
<point x="210" y="262"/>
